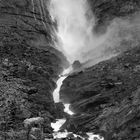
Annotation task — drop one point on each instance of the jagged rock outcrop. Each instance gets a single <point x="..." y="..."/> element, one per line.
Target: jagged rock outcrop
<point x="29" y="63"/>
<point x="105" y="97"/>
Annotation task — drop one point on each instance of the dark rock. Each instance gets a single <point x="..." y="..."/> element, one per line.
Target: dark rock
<point x="76" y="65"/>
<point x="60" y="110"/>
<point x="70" y="136"/>
<point x="32" y="91"/>
<point x="29" y="63"/>
<point x="106" y="101"/>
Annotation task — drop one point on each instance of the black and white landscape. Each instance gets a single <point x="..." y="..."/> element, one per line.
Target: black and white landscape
<point x="69" y="69"/>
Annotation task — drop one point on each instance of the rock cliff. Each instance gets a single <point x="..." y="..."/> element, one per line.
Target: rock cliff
<point x="29" y="64"/>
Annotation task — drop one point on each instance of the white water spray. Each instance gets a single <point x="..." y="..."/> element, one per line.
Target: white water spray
<point x="56" y="93"/>
<point x="56" y="96"/>
<point x="75" y="23"/>
<point x="75" y="30"/>
<point x="62" y="77"/>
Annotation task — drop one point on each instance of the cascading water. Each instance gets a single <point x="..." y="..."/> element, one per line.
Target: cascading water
<point x="59" y="122"/>
<point x="62" y="77"/>
<point x="56" y="96"/>
<point x="75" y="38"/>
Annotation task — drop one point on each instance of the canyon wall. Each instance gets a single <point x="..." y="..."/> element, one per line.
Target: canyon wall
<point x="29" y="64"/>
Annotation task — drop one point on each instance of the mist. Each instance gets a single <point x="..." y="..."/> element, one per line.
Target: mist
<point x="77" y="39"/>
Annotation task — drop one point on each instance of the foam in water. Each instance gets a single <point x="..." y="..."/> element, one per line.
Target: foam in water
<point x="67" y="109"/>
<point x="75" y="23"/>
<point x="62" y="77"/>
<point x="56" y="126"/>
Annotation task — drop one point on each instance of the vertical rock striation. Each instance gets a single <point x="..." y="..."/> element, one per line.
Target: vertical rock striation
<point x="29" y="63"/>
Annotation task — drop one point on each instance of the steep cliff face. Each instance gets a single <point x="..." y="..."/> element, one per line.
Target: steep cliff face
<point x="105" y="97"/>
<point x="29" y="63"/>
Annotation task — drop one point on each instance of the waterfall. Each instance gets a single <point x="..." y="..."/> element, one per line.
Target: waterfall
<point x="75" y="23"/>
<point x="56" y="93"/>
<point x="59" y="83"/>
<point x="76" y="35"/>
<point x="56" y="96"/>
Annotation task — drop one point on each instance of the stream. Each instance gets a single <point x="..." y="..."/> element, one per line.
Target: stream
<point x="59" y="122"/>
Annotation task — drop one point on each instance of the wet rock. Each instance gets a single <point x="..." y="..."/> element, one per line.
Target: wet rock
<point x="60" y="111"/>
<point x="76" y="65"/>
<point x="105" y="98"/>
